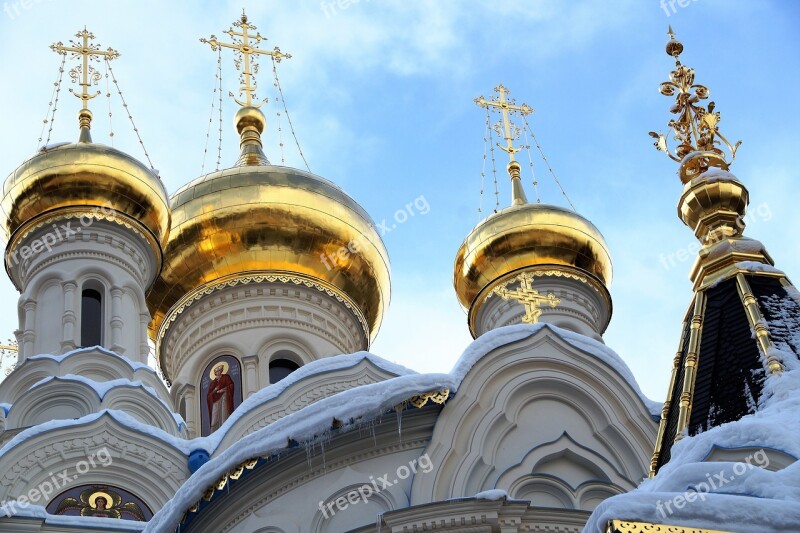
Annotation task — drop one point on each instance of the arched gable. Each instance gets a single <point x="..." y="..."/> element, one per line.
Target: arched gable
<point x="540" y="403"/>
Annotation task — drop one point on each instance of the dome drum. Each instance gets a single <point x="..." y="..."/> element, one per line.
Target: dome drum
<point x="580" y="301"/>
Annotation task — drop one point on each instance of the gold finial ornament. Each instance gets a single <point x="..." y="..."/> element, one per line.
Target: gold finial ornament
<point x="8" y="358"/>
<point x="85" y="74"/>
<point x="527" y="296"/>
<point x="249" y="120"/>
<point x="510" y="132"/>
<point x="696" y="127"/>
<point x="245" y="46"/>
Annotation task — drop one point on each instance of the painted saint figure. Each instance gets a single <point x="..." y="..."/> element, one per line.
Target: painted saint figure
<point x="219" y="398"/>
<point x="100" y="501"/>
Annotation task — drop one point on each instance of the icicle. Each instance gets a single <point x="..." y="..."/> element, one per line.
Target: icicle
<point x="309" y="452"/>
<point x="399" y="410"/>
<point x="322" y="447"/>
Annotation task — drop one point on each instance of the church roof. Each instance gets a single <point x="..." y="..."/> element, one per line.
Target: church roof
<point x="357" y="407"/>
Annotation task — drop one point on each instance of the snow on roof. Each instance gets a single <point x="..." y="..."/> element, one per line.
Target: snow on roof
<point x="58" y="358"/>
<point x="211" y="442"/>
<point x="610" y="357"/>
<point x="358" y="406"/>
<point x="749" y="498"/>
<point x="353" y="407"/>
<point x="314" y="368"/>
<point x="755" y="266"/>
<point x="494" y="494"/>
<point x="103" y="387"/>
<point x="714" y="174"/>
<point x="83" y="522"/>
<point x="121" y="417"/>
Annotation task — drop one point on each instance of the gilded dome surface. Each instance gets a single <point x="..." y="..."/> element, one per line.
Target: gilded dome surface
<point x="528" y="235"/>
<point x="77" y="176"/>
<point x="271" y="219"/>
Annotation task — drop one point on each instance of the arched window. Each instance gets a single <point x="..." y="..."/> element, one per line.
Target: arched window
<point x="280" y="368"/>
<point x="91" y="318"/>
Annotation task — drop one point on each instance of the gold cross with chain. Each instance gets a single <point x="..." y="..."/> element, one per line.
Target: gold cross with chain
<point x="528" y="297"/>
<point x="88" y="52"/>
<point x="507" y="107"/>
<point x="246" y="45"/>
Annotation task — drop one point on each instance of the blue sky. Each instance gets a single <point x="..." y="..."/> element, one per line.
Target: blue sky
<point x="381" y="91"/>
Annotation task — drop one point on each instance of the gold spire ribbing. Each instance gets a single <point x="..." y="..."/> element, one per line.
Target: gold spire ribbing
<point x="695" y="129"/>
<point x="87" y="74"/>
<point x="245" y="47"/>
<point x="510" y="132"/>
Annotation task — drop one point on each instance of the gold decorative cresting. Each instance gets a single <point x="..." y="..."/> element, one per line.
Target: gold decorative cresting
<point x="527" y="296"/>
<point x="696" y="127"/>
<point x="249" y="120"/>
<point x="510" y="132"/>
<point x="85" y="74"/>
<point x="624" y="526"/>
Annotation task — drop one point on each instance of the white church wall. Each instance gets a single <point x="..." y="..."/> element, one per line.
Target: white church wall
<point x="540" y="419"/>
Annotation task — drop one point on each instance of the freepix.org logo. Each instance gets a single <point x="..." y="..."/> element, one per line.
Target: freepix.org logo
<point x="60" y="232"/>
<point x="367" y="490"/>
<point x="57" y="482"/>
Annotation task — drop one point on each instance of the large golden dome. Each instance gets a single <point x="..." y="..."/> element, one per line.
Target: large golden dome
<point x="257" y="220"/>
<point x="524" y="236"/>
<point x="84" y="179"/>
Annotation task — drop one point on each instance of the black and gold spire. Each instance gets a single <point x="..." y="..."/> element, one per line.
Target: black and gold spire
<point x="733" y="338"/>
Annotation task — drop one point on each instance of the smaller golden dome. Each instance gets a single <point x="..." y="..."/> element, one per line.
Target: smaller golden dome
<point x="524" y="236"/>
<point x="84" y="179"/>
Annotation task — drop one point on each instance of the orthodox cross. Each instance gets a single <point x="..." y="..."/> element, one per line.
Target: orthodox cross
<point x="87" y="52"/>
<point x="506" y="107"/>
<point x="244" y="46"/>
<point x="528" y="297"/>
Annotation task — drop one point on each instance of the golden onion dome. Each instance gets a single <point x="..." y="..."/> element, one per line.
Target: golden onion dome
<point x="524" y="236"/>
<point x="257" y="219"/>
<point x="84" y="179"/>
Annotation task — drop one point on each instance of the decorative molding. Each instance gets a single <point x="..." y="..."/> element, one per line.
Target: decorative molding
<point x="247" y="278"/>
<point x="138" y="459"/>
<point x="75" y="213"/>
<point x="621" y="526"/>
